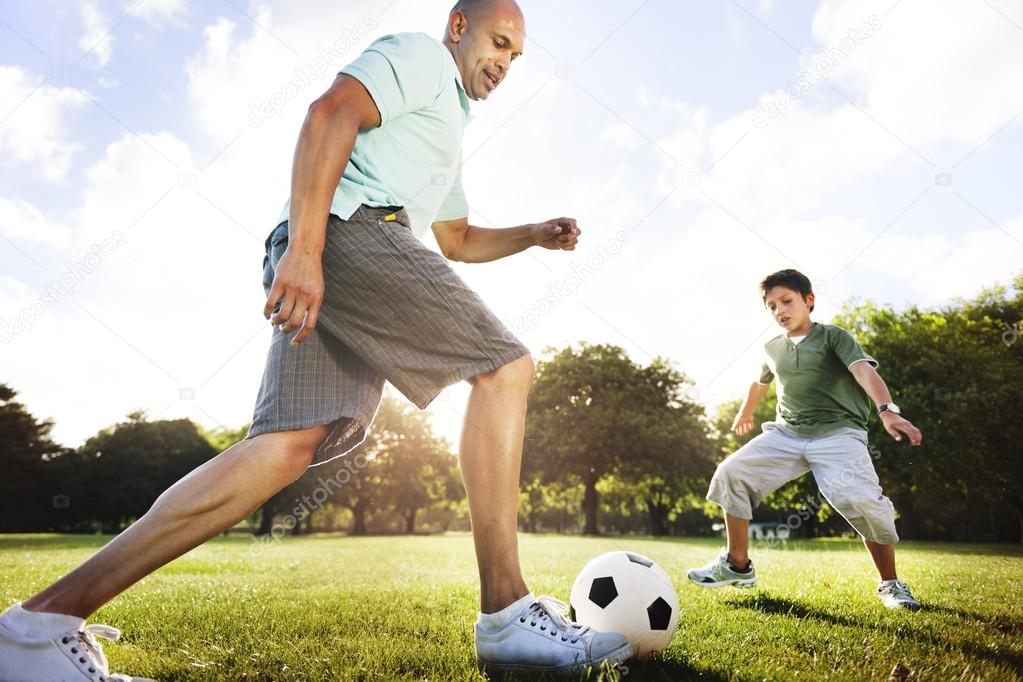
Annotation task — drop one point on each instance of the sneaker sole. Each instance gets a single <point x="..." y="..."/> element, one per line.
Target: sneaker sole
<point x="740" y="583"/>
<point x="622" y="653"/>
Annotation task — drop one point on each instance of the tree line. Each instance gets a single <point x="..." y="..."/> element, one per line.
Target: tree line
<point x="611" y="445"/>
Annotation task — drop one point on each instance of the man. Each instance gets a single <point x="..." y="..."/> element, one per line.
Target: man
<point x="357" y="299"/>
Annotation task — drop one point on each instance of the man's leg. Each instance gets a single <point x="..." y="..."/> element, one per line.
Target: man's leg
<point x="207" y="501"/>
<point x="490" y="455"/>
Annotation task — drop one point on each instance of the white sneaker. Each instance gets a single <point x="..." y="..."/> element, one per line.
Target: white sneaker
<point x="896" y="595"/>
<point x="541" y="639"/>
<point x="721" y="572"/>
<point x="46" y="655"/>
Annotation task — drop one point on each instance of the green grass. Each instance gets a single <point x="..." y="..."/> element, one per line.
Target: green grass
<point x="384" y="608"/>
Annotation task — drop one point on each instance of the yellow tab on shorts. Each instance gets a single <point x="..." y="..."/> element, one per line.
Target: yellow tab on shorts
<point x="390" y="218"/>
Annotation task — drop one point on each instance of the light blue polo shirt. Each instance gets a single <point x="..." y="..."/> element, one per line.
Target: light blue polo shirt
<point x="413" y="159"/>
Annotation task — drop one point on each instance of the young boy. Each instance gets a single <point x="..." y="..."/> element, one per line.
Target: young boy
<point x="825" y="384"/>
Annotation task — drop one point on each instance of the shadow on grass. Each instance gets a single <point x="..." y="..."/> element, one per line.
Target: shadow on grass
<point x="653" y="671"/>
<point x="775" y="605"/>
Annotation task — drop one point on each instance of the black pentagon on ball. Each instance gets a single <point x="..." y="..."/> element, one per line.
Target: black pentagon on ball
<point x="637" y="559"/>
<point x="603" y="591"/>
<point x="659" y="614"/>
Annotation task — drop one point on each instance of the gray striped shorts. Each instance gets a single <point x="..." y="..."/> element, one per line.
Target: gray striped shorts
<point x="392" y="310"/>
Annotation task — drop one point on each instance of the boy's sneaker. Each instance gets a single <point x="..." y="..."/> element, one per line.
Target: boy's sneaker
<point x="721" y="572"/>
<point x="896" y="595"/>
<point x="539" y="638"/>
<point x="53" y="647"/>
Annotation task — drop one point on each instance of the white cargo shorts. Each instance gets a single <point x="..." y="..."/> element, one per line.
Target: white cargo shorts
<point x="839" y="461"/>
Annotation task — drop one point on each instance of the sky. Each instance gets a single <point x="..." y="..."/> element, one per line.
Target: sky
<point x="145" y="152"/>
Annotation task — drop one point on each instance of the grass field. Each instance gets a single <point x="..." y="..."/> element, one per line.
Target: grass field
<point x="383" y="608"/>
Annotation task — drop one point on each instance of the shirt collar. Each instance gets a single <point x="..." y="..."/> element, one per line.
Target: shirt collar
<point x="462" y="97"/>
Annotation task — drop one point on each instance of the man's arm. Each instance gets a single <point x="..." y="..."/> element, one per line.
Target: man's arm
<point x="460" y="241"/>
<point x="324" y="147"/>
<point x="867" y="377"/>
<point x="743" y="422"/>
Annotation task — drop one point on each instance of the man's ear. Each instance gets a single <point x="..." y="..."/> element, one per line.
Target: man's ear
<point x="810" y="298"/>
<point x="457" y="26"/>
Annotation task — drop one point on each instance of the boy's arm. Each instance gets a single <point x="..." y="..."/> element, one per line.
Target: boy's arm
<point x="743" y="423"/>
<point x="896" y="425"/>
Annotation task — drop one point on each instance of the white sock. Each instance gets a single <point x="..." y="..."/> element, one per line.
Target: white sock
<point x="496" y="621"/>
<point x="38" y="626"/>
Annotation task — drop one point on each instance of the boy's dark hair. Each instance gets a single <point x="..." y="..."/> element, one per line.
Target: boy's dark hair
<point x="790" y="279"/>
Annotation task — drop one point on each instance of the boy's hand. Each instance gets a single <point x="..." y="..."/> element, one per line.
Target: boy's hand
<point x="742" y="425"/>
<point x="896" y="425"/>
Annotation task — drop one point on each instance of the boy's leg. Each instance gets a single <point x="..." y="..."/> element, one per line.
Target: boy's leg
<point x="884" y="558"/>
<point x="740" y="482"/>
<point x="737" y="531"/>
<point x="845" y="474"/>
<point x="207" y="501"/>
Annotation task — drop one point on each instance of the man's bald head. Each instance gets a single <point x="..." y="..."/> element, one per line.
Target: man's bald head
<point x="477" y="8"/>
<point x="484" y="37"/>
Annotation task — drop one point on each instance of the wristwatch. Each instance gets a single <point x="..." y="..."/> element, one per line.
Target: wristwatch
<point x="888" y="407"/>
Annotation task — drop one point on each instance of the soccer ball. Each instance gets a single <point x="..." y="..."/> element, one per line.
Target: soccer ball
<point x="627" y="593"/>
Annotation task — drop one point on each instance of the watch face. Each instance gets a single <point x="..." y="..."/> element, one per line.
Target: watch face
<point x="892" y="407"/>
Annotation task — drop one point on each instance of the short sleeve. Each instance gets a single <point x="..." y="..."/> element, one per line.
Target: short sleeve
<point x="846" y="347"/>
<point x="402" y="72"/>
<point x="455" y="205"/>
<point x="766" y="375"/>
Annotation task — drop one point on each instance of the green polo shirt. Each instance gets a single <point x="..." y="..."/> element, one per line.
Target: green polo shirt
<point x="816" y="391"/>
<point x="414" y="158"/>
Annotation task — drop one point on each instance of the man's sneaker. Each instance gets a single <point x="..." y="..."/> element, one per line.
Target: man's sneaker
<point x="721" y="572"/>
<point x="896" y="595"/>
<point x="541" y="639"/>
<point x="49" y="656"/>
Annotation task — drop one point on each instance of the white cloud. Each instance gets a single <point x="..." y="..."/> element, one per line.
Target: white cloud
<point x="159" y="12"/>
<point x="21" y="220"/>
<point x="936" y="72"/>
<point x="97" y="40"/>
<point x="33" y="131"/>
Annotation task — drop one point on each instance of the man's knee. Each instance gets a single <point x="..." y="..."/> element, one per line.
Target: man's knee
<point x="294" y="450"/>
<point x="516" y="375"/>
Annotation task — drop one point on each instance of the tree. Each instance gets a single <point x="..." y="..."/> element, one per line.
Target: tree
<point x="33" y="492"/>
<point x="594" y="413"/>
<point x="123" y="469"/>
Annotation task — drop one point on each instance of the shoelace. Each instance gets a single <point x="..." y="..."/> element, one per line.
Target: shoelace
<point x="91" y="651"/>
<point x="897" y="589"/>
<point x="551" y="612"/>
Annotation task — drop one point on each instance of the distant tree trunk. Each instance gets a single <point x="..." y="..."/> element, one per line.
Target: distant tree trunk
<point x="908" y="527"/>
<point x="1019" y="518"/>
<point x="358" y="519"/>
<point x="410" y="521"/>
<point x="590" y="504"/>
<point x="658" y="518"/>
<point x="266" y="519"/>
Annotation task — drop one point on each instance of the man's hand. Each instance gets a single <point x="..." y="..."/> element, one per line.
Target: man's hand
<point x="298" y="285"/>
<point x="896" y="426"/>
<point x="742" y="424"/>
<point x="560" y="233"/>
